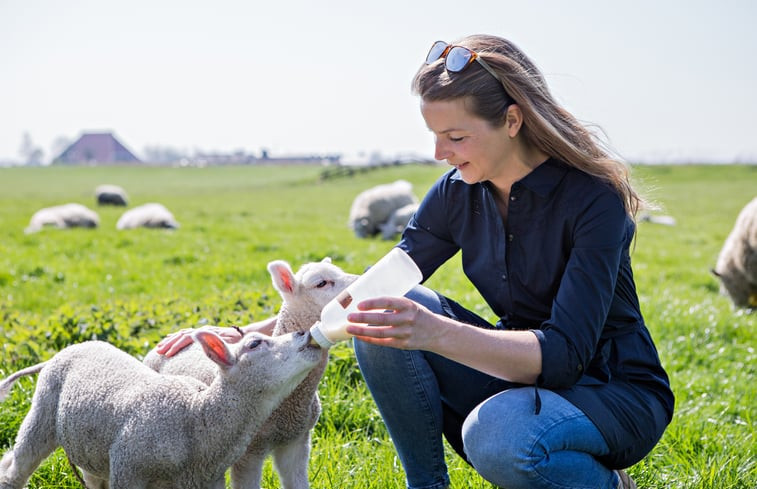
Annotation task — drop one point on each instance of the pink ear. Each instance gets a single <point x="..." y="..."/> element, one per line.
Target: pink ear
<point x="282" y="276"/>
<point x="215" y="348"/>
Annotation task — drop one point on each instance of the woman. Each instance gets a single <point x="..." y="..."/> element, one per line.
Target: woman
<point x="567" y="388"/>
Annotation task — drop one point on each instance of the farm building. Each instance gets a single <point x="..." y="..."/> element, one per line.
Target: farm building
<point x="96" y="149"/>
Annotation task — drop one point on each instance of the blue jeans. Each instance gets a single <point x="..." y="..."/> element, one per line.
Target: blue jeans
<point x="490" y="422"/>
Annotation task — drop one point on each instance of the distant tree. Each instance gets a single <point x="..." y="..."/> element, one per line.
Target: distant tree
<point x="31" y="154"/>
<point x="60" y="144"/>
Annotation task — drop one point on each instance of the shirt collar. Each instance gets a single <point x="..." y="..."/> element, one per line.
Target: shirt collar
<point x="545" y="177"/>
<point x="542" y="180"/>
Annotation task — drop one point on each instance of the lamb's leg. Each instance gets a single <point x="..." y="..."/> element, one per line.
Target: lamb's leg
<point x="125" y="479"/>
<point x="247" y="472"/>
<point x="291" y="462"/>
<point x="34" y="442"/>
<point x="124" y="466"/>
<point x="219" y="484"/>
<point x="93" y="482"/>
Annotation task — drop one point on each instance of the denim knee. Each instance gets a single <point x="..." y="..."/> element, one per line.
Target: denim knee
<point x="502" y="460"/>
<point x="511" y="446"/>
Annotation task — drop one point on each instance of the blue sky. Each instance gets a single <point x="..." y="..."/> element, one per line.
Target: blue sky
<point x="665" y="80"/>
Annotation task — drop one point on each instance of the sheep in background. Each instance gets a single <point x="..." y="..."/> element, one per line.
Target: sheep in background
<point x="737" y="263"/>
<point x="372" y="207"/>
<point x="62" y="217"/>
<point x="656" y="219"/>
<point x="130" y="427"/>
<point x="286" y="434"/>
<point x="111" y="195"/>
<point x="148" y="216"/>
<point x="398" y="221"/>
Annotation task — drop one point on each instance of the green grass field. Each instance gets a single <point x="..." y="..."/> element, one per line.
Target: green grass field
<point x="133" y="287"/>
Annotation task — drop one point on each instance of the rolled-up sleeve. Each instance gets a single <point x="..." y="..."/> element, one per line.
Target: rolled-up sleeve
<point x="570" y="336"/>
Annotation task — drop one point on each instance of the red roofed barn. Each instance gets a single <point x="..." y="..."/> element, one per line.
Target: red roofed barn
<point x="96" y="149"/>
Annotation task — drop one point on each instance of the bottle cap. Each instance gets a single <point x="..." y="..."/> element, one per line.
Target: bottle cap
<point x="319" y="337"/>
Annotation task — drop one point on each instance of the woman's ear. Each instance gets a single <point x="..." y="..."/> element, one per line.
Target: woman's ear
<point x="513" y="120"/>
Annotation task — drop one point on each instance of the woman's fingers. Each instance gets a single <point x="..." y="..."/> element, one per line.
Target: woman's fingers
<point x="168" y="342"/>
<point x="177" y="345"/>
<point x="178" y="340"/>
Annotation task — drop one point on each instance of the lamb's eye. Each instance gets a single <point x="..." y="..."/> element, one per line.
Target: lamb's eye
<point x="322" y="284"/>
<point x="254" y="344"/>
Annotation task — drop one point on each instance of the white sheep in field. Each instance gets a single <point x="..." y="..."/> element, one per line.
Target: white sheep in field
<point x="286" y="434"/>
<point x="737" y="262"/>
<point x="129" y="427"/>
<point x="372" y="207"/>
<point x="108" y="194"/>
<point x="398" y="221"/>
<point x="149" y="216"/>
<point x="62" y="217"/>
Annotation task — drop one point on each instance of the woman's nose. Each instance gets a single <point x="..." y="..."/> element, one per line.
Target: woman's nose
<point x="441" y="152"/>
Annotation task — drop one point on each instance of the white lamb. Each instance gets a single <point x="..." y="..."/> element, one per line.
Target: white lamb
<point x="129" y="427"/>
<point x="398" y="221"/>
<point x="737" y="263"/>
<point x="372" y="207"/>
<point x="149" y="216"/>
<point x="286" y="434"/>
<point x="108" y="194"/>
<point x="62" y="217"/>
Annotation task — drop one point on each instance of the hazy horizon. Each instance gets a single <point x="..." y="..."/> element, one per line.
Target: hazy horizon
<point x="665" y="81"/>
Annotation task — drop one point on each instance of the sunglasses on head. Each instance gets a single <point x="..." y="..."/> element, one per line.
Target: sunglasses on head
<point x="458" y="58"/>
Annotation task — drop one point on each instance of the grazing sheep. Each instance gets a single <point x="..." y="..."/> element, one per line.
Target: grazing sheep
<point x="111" y="195"/>
<point x="655" y="219"/>
<point x="148" y="216"/>
<point x="286" y="434"/>
<point x="372" y="207"/>
<point x="127" y="426"/>
<point x="737" y="263"/>
<point x="62" y="217"/>
<point x="398" y="221"/>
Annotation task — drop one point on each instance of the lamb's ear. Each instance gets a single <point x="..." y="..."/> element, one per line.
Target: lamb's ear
<point x="215" y="348"/>
<point x="326" y="260"/>
<point x="282" y="276"/>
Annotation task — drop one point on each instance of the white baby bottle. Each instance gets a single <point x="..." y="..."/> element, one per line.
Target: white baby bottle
<point x="392" y="276"/>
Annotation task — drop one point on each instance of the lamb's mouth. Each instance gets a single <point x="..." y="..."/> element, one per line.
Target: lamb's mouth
<point x="310" y="343"/>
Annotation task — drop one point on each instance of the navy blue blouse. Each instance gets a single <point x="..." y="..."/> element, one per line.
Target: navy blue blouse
<point x="560" y="266"/>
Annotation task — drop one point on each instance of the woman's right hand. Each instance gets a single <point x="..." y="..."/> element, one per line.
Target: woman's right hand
<point x="177" y="341"/>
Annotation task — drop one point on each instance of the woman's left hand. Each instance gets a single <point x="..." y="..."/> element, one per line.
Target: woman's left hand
<point x="397" y="322"/>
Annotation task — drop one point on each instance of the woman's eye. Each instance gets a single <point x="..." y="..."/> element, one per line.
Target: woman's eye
<point x="254" y="344"/>
<point x="456" y="140"/>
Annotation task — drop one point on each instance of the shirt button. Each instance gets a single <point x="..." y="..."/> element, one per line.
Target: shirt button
<point x="504" y="277"/>
<point x="580" y="368"/>
<point x="510" y="237"/>
<point x="513" y="198"/>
